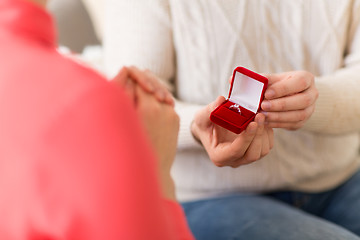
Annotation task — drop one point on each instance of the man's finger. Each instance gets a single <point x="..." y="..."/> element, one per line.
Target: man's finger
<point x="289" y="103"/>
<point x="219" y="100"/>
<point x="288" y="126"/>
<point x="240" y="145"/>
<point x="290" y="116"/>
<point x="270" y="133"/>
<point x="288" y="84"/>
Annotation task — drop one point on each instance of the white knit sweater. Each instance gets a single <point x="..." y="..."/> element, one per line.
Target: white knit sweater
<point x="195" y="44"/>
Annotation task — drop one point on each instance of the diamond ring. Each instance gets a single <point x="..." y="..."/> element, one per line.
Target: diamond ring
<point x="236" y="107"/>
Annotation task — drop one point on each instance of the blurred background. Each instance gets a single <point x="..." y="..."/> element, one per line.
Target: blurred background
<point x="76" y="30"/>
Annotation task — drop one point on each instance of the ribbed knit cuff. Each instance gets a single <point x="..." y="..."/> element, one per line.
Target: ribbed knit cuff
<point x="187" y="113"/>
<point x="323" y="113"/>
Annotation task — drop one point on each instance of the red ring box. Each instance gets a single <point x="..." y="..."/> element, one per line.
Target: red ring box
<point x="247" y="91"/>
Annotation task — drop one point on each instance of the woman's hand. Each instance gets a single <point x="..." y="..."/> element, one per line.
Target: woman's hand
<point x="155" y="107"/>
<point x="228" y="149"/>
<point x="162" y="125"/>
<point x="289" y="100"/>
<point x="128" y="77"/>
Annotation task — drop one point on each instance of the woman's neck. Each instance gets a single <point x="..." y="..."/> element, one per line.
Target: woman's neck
<point x="41" y="3"/>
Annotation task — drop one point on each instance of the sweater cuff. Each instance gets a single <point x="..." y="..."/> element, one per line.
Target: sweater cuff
<point x="324" y="110"/>
<point x="187" y="113"/>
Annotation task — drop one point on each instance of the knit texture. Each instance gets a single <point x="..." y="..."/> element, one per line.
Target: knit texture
<point x="195" y="44"/>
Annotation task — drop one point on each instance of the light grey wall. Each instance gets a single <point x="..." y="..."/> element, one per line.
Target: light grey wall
<point x="74" y="24"/>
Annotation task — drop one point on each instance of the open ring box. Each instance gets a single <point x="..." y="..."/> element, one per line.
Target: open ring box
<point x="246" y="92"/>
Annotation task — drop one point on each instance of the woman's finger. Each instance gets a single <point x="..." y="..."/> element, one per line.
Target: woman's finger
<point x="150" y="83"/>
<point x="122" y="77"/>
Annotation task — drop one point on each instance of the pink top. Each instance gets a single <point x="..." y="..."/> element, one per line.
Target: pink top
<point x="70" y="165"/>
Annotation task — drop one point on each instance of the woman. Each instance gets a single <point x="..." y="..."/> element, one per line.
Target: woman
<point x="75" y="160"/>
<point x="307" y="187"/>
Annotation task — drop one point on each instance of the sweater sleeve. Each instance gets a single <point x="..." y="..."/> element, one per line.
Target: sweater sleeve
<point x="111" y="190"/>
<point x="139" y="32"/>
<point x="338" y="106"/>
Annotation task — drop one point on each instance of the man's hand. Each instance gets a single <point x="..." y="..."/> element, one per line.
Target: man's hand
<point x="228" y="149"/>
<point x="289" y="100"/>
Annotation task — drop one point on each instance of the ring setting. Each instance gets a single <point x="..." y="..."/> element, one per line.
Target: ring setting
<point x="235" y="107"/>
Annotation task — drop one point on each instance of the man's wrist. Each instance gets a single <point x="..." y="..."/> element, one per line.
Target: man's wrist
<point x="193" y="131"/>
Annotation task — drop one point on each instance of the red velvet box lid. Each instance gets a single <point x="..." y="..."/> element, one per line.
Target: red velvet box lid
<point x="244" y="100"/>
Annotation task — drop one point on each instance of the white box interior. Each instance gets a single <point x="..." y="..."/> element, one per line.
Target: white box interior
<point x="246" y="92"/>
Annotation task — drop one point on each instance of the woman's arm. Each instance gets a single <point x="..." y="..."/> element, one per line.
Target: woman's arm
<point x="111" y="189"/>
